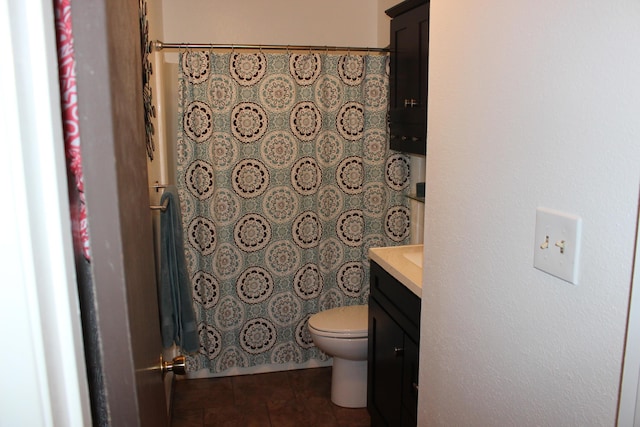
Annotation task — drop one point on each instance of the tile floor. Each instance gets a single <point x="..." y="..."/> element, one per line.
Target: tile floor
<point x="279" y="399"/>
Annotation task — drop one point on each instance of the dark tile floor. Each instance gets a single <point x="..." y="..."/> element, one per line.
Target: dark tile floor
<point x="279" y="399"/>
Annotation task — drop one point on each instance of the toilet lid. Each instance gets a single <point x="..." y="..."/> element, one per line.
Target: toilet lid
<point x="350" y="321"/>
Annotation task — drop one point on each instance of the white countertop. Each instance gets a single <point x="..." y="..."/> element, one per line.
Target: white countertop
<point x="402" y="262"/>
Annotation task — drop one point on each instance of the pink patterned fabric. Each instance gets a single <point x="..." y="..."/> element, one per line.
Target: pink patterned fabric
<point x="69" y="99"/>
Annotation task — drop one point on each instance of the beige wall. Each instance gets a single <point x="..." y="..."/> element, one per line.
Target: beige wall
<point x="383" y="21"/>
<point x="304" y="22"/>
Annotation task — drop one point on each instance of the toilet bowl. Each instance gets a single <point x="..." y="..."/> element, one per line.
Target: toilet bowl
<point x="342" y="333"/>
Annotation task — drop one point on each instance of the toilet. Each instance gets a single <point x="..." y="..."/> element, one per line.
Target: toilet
<point x="342" y="333"/>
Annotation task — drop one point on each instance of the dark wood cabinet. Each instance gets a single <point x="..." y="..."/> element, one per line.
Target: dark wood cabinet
<point x="409" y="61"/>
<point x="394" y="335"/>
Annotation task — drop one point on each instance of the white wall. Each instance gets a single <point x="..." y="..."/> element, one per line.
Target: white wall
<point x="531" y="104"/>
<point x="156" y="168"/>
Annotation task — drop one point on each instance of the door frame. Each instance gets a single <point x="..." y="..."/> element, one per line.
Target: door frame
<point x="629" y="399"/>
<point x="45" y="378"/>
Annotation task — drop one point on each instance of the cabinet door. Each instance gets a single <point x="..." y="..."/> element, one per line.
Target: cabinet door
<point x="409" y="61"/>
<point x="408" y="79"/>
<point x="410" y="383"/>
<point x="386" y="340"/>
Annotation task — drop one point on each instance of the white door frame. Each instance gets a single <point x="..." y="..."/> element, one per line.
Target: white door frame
<point x="44" y="378"/>
<point x="629" y="403"/>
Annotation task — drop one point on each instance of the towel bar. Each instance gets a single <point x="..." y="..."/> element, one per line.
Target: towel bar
<point x="158" y="186"/>
<point x="162" y="207"/>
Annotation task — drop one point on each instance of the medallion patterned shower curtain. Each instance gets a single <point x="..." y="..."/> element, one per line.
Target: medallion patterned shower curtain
<point x="286" y="181"/>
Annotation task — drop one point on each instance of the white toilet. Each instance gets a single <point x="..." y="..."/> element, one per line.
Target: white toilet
<point x="342" y="333"/>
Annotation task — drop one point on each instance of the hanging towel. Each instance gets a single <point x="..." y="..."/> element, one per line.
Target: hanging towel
<point x="176" y="309"/>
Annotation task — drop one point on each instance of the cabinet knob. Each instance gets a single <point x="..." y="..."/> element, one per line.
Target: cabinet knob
<point x="392" y="136"/>
<point x="404" y="138"/>
<point x="399" y="351"/>
<point x="415" y="139"/>
<point x="415" y="386"/>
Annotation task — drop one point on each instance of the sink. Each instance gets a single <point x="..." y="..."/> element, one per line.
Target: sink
<point x="402" y="262"/>
<point x="414" y="257"/>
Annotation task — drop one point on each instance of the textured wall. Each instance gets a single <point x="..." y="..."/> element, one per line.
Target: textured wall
<point x="531" y="104"/>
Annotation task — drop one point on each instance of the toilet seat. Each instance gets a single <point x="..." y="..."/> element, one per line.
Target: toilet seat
<point x="342" y="322"/>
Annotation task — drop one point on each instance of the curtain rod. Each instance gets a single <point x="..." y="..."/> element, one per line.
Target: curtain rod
<point x="158" y="45"/>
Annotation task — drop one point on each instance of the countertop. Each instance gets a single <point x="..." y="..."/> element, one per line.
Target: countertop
<point x="402" y="262"/>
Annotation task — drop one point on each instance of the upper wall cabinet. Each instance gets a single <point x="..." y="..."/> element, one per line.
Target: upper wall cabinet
<point x="408" y="76"/>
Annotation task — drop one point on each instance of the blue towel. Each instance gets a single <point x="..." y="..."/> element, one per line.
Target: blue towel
<point x="176" y="307"/>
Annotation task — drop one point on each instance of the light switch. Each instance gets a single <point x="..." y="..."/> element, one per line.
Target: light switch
<point x="557" y="244"/>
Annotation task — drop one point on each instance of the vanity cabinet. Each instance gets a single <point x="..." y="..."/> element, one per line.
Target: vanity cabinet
<point x="408" y="76"/>
<point x="394" y="334"/>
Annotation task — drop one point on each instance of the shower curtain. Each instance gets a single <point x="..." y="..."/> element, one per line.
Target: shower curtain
<point x="286" y="182"/>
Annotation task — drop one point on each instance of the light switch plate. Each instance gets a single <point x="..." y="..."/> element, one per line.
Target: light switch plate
<point x="557" y="244"/>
